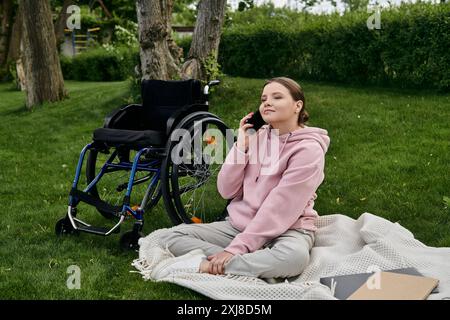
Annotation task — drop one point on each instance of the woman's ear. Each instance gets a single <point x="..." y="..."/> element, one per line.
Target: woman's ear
<point x="299" y="106"/>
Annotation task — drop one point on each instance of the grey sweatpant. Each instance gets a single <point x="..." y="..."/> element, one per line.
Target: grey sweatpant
<point x="285" y="256"/>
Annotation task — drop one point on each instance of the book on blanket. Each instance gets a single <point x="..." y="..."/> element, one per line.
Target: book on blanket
<point x="344" y="286"/>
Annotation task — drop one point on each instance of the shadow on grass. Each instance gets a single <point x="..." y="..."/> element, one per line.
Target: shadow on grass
<point x="19" y="111"/>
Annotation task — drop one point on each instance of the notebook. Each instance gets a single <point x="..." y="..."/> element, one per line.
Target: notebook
<point x="395" y="286"/>
<point x="345" y="285"/>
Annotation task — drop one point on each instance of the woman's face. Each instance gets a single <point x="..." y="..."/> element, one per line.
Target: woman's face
<point x="277" y="104"/>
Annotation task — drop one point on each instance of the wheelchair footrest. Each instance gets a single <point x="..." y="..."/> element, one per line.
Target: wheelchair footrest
<point x="96" y="230"/>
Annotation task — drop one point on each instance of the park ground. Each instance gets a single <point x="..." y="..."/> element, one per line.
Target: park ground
<point x="389" y="155"/>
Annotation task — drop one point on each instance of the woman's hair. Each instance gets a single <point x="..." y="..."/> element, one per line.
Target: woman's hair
<point x="296" y="92"/>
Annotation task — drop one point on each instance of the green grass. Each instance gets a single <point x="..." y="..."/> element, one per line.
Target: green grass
<point x="389" y="155"/>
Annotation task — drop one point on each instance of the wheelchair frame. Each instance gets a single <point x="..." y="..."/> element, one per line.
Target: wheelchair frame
<point x="155" y="156"/>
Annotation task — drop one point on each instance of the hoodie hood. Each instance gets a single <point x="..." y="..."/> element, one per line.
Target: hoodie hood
<point x="312" y="133"/>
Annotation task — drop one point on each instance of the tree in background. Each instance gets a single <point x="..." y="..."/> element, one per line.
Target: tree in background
<point x="353" y="5"/>
<point x="159" y="55"/>
<point x="245" y="5"/>
<point x="41" y="61"/>
<point x="158" y="61"/>
<point x="124" y="9"/>
<point x="184" y="12"/>
<point x="205" y="41"/>
<point x="60" y="23"/>
<point x="6" y="13"/>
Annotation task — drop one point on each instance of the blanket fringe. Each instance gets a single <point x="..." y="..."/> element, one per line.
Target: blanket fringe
<point x="152" y="258"/>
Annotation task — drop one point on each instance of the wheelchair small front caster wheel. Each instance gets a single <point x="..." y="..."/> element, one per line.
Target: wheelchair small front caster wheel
<point x="129" y="240"/>
<point x="63" y="226"/>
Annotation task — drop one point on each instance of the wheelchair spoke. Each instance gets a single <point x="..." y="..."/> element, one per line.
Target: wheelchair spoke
<point x="195" y="200"/>
<point x="201" y="197"/>
<point x="193" y="183"/>
<point x="201" y="181"/>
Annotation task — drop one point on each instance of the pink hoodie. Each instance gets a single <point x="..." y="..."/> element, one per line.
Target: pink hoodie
<point x="271" y="197"/>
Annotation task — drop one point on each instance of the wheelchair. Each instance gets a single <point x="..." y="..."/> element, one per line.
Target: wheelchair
<point x="168" y="148"/>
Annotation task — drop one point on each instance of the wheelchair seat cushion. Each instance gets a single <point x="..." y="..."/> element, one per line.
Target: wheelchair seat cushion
<point x="129" y="138"/>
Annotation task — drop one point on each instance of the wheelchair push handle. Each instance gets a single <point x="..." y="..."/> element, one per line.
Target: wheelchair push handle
<point x="209" y="85"/>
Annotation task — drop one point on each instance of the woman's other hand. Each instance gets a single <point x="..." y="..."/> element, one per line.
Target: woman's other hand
<point x="217" y="262"/>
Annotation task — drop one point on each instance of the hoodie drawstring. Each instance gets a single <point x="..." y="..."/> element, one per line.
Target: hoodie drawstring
<point x="290" y="134"/>
<point x="265" y="149"/>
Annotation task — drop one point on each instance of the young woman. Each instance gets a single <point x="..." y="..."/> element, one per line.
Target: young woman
<point x="270" y="227"/>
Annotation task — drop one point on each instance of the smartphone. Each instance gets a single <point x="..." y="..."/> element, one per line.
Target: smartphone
<point x="256" y="120"/>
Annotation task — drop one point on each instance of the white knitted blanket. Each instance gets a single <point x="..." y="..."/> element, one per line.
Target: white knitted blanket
<point x="343" y="246"/>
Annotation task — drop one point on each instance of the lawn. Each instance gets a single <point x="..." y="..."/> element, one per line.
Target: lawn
<point x="389" y="155"/>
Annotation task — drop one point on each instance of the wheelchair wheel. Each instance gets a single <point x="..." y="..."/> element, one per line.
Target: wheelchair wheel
<point x="63" y="227"/>
<point x="189" y="173"/>
<point x="129" y="240"/>
<point x="112" y="186"/>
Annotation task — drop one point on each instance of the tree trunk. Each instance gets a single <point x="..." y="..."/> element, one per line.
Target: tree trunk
<point x="206" y="38"/>
<point x="6" y="11"/>
<point x="105" y="9"/>
<point x="21" y="79"/>
<point x="160" y="58"/>
<point x="61" y="22"/>
<point x="14" y="52"/>
<point x="41" y="62"/>
<point x="16" y="36"/>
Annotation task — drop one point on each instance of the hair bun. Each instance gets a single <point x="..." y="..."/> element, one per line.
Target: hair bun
<point x="304" y="116"/>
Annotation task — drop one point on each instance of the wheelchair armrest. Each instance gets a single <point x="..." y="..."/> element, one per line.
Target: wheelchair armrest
<point x="126" y="117"/>
<point x="178" y="115"/>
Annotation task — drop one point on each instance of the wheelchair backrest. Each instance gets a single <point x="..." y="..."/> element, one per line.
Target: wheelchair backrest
<point x="161" y="98"/>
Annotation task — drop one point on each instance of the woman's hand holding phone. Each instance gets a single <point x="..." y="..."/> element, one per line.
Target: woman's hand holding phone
<point x="243" y="135"/>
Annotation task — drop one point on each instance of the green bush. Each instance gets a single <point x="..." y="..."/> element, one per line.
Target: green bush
<point x="410" y="49"/>
<point x="100" y="64"/>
